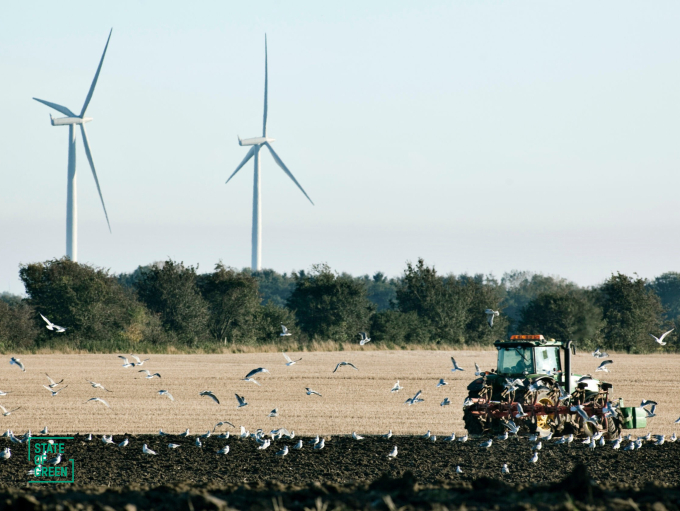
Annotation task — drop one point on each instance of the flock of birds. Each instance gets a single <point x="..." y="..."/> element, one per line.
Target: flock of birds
<point x="264" y="440"/>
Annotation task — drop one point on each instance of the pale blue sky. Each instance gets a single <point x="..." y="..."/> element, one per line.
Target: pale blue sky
<point x="483" y="136"/>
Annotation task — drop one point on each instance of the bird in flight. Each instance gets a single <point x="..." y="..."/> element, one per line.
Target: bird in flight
<point x="15" y="361"/>
<point x="396" y="387"/>
<point x="98" y="399"/>
<point x="284" y="332"/>
<point x="52" y="382"/>
<point x="364" y="338"/>
<point x="274" y="413"/>
<point x="415" y="399"/>
<point x="126" y="362"/>
<point x="223" y="423"/>
<point x="209" y="393"/>
<point x="490" y="314"/>
<point x="311" y="392"/>
<point x="139" y="362"/>
<point x="603" y="366"/>
<point x="660" y="339"/>
<point x="249" y="376"/>
<point x="5" y="413"/>
<point x="345" y="364"/>
<point x="290" y="361"/>
<point x="55" y="392"/>
<point x="441" y="382"/>
<point x="52" y="326"/>
<point x="455" y="366"/>
<point x="148" y="374"/>
<point x="166" y="393"/>
<point x="600" y="354"/>
<point x="241" y="401"/>
<point x="96" y="385"/>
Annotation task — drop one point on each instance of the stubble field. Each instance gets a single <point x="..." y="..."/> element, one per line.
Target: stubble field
<point x="351" y="400"/>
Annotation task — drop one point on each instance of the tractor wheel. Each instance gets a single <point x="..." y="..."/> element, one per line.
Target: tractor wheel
<point x="472" y="423"/>
<point x="613" y="428"/>
<point x="541" y="423"/>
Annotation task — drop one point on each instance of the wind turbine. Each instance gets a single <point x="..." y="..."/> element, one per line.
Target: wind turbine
<point x="71" y="193"/>
<point x="257" y="143"/>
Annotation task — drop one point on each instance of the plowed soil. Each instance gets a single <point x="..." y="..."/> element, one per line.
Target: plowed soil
<point x="347" y="474"/>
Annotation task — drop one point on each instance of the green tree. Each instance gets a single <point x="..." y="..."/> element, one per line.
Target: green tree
<point x="234" y="303"/>
<point x="631" y="312"/>
<point x="88" y="301"/>
<point x="170" y="290"/>
<point x="268" y="323"/>
<point x="18" y="325"/>
<point x="667" y="288"/>
<point x="481" y="293"/>
<point x="380" y="290"/>
<point x="330" y="306"/>
<point x="274" y="288"/>
<point x="566" y="315"/>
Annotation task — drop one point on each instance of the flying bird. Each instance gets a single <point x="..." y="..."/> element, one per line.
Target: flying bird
<point x="139" y="362"/>
<point x="345" y="364"/>
<point x="241" y="401"/>
<point x="364" y="338"/>
<point x="209" y="393"/>
<point x="415" y="399"/>
<point x="490" y="314"/>
<point x="148" y="374"/>
<point x="166" y="393"/>
<point x="55" y="392"/>
<point x="126" y="362"/>
<point x="96" y="385"/>
<point x="396" y="387"/>
<point x="660" y="339"/>
<point x="441" y="383"/>
<point x="284" y="332"/>
<point x="446" y="402"/>
<point x="98" y="399"/>
<point x="455" y="366"/>
<point x="478" y="371"/>
<point x="290" y="361"/>
<point x="274" y="413"/>
<point x="17" y="362"/>
<point x="600" y="354"/>
<point x="255" y="371"/>
<point x="52" y="326"/>
<point x="310" y="392"/>
<point x="603" y="366"/>
<point x="5" y="413"/>
<point x="52" y="382"/>
<point x="223" y="423"/>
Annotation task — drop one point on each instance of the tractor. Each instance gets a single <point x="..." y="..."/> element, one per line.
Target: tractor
<point x="533" y="387"/>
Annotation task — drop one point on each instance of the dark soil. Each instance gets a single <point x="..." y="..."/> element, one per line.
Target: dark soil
<point x="347" y="474"/>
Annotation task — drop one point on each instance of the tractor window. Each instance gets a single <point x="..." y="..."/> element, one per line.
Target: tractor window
<point x="515" y="361"/>
<point x="547" y="360"/>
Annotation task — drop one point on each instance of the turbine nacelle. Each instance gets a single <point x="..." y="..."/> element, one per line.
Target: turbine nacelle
<point x="254" y="141"/>
<point x="67" y="121"/>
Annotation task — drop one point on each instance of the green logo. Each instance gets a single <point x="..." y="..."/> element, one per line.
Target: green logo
<point x="49" y="456"/>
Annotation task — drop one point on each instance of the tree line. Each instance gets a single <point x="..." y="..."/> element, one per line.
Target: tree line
<point x="169" y="304"/>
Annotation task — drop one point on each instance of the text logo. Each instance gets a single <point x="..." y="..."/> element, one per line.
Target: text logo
<point x="49" y="457"/>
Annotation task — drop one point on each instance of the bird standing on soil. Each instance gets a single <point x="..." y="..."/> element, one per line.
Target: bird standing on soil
<point x="394" y="452"/>
<point x="505" y="469"/>
<point x="146" y="450"/>
<point x="388" y="435"/>
<point x="534" y="458"/>
<point x="487" y="444"/>
<point x="660" y="339"/>
<point x="356" y="437"/>
<point x="298" y="445"/>
<point x="173" y="446"/>
<point x="320" y="445"/>
<point x="124" y="443"/>
<point x="5" y="454"/>
<point x="458" y="469"/>
<point x="283" y="451"/>
<point x="490" y="314"/>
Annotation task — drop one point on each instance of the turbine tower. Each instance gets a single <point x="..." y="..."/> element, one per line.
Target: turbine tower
<point x="257" y="143"/>
<point x="71" y="192"/>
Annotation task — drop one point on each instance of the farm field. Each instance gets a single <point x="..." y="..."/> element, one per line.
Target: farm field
<point x="351" y="400"/>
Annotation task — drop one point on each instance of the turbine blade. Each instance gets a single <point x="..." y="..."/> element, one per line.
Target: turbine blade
<point x="96" y="76"/>
<point x="58" y="108"/>
<point x="285" y="169"/>
<point x="250" y="154"/>
<point x="88" y="153"/>
<point x="264" y="121"/>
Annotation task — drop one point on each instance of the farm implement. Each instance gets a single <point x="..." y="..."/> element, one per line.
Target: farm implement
<point x="532" y="391"/>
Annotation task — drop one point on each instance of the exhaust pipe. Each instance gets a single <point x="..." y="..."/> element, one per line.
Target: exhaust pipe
<point x="569" y="348"/>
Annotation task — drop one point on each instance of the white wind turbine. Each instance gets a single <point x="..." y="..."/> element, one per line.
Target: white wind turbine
<point x="257" y="143"/>
<point x="71" y="193"/>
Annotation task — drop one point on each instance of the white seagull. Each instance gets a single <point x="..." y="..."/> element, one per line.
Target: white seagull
<point x="298" y="445"/>
<point x="146" y="450"/>
<point x="274" y="413"/>
<point x="140" y="362"/>
<point x="283" y="451"/>
<point x="603" y="366"/>
<point x="311" y="392"/>
<point x="96" y="385"/>
<point x="345" y="364"/>
<point x="52" y="382"/>
<point x="290" y="361"/>
<point x="241" y="401"/>
<point x="490" y="314"/>
<point x="505" y="469"/>
<point x="284" y="332"/>
<point x="17" y="362"/>
<point x="441" y="382"/>
<point x="166" y="393"/>
<point x="394" y="452"/>
<point x="660" y="339"/>
<point x="446" y="402"/>
<point x="223" y="450"/>
<point x="5" y="454"/>
<point x="415" y="399"/>
<point x="52" y="326"/>
<point x="364" y="338"/>
<point x="356" y="437"/>
<point x="455" y="366"/>
<point x="55" y="392"/>
<point x="148" y="374"/>
<point x="98" y="399"/>
<point x="173" y="446"/>
<point x="209" y="393"/>
<point x="126" y="362"/>
<point x="396" y="387"/>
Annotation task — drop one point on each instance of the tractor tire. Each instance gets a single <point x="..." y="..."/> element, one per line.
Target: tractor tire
<point x="613" y="428"/>
<point x="472" y="423"/>
<point x="541" y="423"/>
